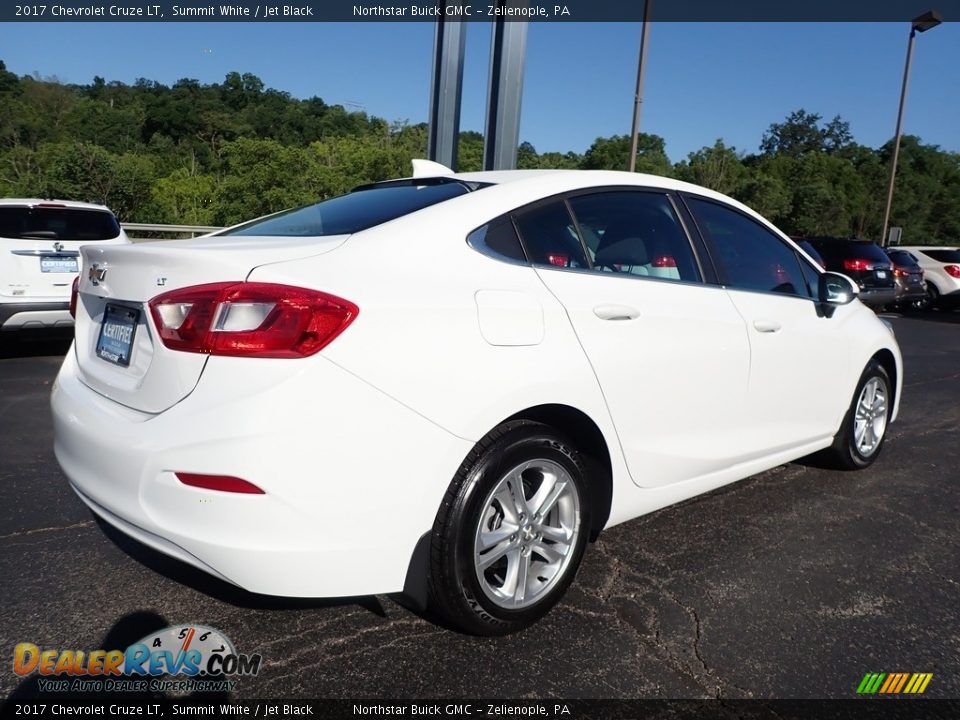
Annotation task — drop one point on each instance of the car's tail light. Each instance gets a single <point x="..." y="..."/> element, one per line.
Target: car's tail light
<point x="856" y="264"/>
<point x="558" y="260"/>
<point x="664" y="261"/>
<point x="74" y="291"/>
<point x="899" y="272"/>
<point x="952" y="270"/>
<point x="250" y="319"/>
<point x="223" y="483"/>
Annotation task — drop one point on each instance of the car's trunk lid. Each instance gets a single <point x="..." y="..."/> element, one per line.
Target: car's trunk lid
<point x="132" y="366"/>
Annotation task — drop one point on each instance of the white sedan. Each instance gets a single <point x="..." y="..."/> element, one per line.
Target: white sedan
<point x="445" y="386"/>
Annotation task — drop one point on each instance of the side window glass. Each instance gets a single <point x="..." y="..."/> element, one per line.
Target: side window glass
<point x="498" y="239"/>
<point x="636" y="233"/>
<point x="751" y="257"/>
<point x="550" y="237"/>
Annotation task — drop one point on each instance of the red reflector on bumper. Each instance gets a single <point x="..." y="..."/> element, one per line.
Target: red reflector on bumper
<point x="223" y="483"/>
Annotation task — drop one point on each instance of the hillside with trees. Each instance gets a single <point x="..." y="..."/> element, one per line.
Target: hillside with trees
<point x="218" y="154"/>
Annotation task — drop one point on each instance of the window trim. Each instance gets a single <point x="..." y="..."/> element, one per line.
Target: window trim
<point x="722" y="277"/>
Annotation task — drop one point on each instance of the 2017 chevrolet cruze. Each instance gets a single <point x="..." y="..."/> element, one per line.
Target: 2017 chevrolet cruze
<point x="446" y="385"/>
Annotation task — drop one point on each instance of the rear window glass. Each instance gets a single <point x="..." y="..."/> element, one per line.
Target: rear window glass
<point x="947" y="256"/>
<point x="498" y="239"/>
<point x="851" y="248"/>
<point x="351" y="213"/>
<point x="902" y="258"/>
<point x="46" y="223"/>
<point x="550" y="237"/>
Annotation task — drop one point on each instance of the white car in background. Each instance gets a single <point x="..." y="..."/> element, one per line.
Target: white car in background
<point x="941" y="270"/>
<point x="446" y="385"/>
<point x="40" y="244"/>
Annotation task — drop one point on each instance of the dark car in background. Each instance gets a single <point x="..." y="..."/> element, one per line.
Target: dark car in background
<point x="864" y="262"/>
<point x="810" y="250"/>
<point x="908" y="276"/>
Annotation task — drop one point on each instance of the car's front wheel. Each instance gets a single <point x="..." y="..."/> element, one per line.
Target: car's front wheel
<point x="864" y="427"/>
<point x="511" y="531"/>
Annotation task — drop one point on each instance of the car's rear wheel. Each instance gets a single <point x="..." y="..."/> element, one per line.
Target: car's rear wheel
<point x="860" y="440"/>
<point x="511" y="531"/>
<point x="929" y="300"/>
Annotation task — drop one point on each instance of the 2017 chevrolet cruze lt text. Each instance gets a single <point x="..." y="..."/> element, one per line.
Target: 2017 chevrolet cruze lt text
<point x="447" y="385"/>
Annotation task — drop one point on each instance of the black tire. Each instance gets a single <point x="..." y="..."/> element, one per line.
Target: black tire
<point x="845" y="454"/>
<point x="930" y="301"/>
<point x="454" y="583"/>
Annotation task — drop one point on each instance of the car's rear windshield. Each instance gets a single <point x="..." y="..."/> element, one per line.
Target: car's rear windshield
<point x="902" y="258"/>
<point x="947" y="256"/>
<point x="57" y="223"/>
<point x="839" y="248"/>
<point x="361" y="209"/>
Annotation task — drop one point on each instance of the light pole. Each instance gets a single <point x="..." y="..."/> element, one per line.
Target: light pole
<point x="921" y="24"/>
<point x="638" y="97"/>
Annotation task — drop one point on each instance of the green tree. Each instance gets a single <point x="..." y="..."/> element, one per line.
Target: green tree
<point x="802" y="133"/>
<point x="718" y="168"/>
<point x="613" y="153"/>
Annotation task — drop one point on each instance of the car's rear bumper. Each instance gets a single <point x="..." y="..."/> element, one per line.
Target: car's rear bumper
<point x="351" y="478"/>
<point x="908" y="294"/>
<point x="26" y="315"/>
<point x="876" y="297"/>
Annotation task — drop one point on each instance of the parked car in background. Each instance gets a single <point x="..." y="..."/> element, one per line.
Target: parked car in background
<point x="864" y="262"/>
<point x="40" y="244"/>
<point x="447" y="385"/>
<point x="811" y="251"/>
<point x="908" y="276"/>
<point x="941" y="272"/>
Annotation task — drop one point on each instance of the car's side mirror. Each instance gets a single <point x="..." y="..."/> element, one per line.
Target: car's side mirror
<point x="835" y="289"/>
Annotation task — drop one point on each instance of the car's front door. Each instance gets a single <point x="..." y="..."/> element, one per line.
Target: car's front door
<point x="670" y="352"/>
<point x="796" y="393"/>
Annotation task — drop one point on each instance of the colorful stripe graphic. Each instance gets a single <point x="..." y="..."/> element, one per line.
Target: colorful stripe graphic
<point x="894" y="683"/>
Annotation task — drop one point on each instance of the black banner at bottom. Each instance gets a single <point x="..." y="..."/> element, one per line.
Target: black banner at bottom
<point x="193" y="707"/>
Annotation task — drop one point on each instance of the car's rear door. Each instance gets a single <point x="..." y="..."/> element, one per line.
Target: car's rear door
<point x="670" y="352"/>
<point x="799" y="387"/>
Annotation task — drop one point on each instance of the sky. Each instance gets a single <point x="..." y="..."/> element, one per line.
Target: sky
<point x="704" y="81"/>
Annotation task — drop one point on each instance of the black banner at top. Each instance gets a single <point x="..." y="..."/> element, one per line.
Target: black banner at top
<point x="474" y="10"/>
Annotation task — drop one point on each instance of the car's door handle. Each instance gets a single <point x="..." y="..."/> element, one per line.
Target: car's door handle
<point x="766" y="326"/>
<point x="616" y="312"/>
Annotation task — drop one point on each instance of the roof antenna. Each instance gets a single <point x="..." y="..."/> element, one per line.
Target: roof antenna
<point x="428" y="168"/>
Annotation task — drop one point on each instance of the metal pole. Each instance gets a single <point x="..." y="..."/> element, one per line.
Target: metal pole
<point x="446" y="88"/>
<point x="896" y="140"/>
<point x="507" y="58"/>
<point x="638" y="97"/>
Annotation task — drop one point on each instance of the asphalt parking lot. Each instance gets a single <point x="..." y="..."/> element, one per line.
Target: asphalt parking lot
<point x="793" y="583"/>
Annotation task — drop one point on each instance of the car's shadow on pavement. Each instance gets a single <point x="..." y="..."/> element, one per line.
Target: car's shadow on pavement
<point x="34" y="343"/>
<point x="211" y="586"/>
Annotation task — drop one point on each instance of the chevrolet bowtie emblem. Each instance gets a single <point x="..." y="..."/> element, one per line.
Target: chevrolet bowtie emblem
<point x="96" y="274"/>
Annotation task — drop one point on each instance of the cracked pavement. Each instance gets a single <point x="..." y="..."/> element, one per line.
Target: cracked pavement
<point x="792" y="583"/>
